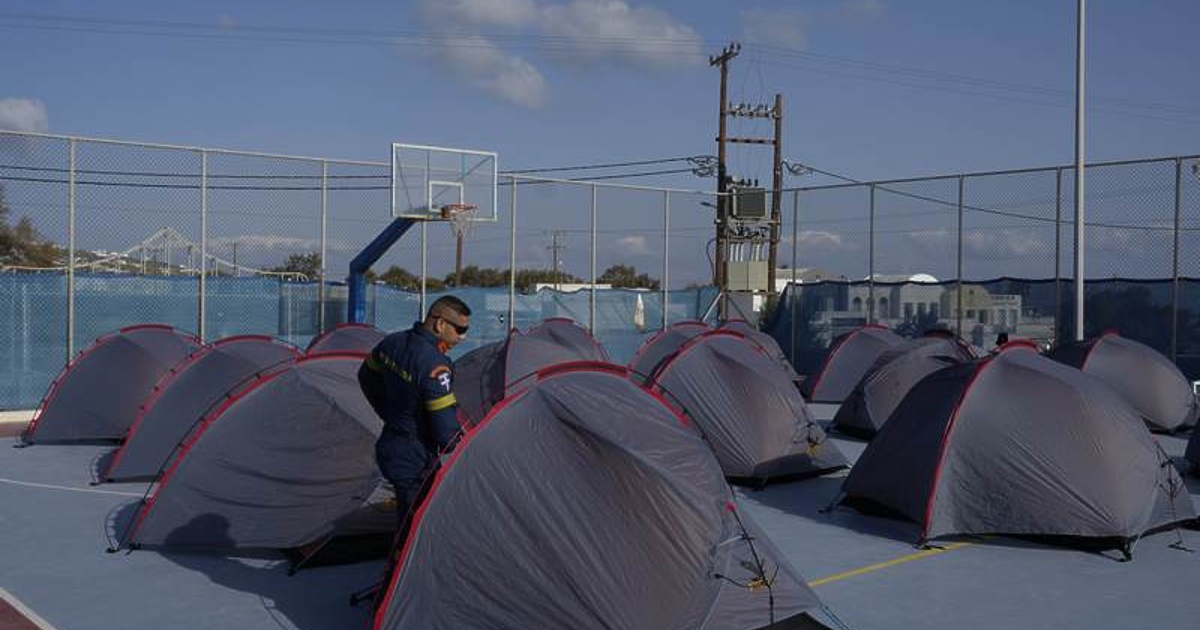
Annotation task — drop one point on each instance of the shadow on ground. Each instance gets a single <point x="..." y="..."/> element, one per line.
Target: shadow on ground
<point x="311" y="599"/>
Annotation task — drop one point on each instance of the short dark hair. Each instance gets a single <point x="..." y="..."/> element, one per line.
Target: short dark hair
<point x="449" y="302"/>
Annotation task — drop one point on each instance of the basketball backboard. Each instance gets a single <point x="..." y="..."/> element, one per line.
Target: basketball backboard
<point x="426" y="178"/>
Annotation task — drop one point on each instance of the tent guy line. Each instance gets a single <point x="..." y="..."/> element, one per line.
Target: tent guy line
<point x="871" y="568"/>
<point x="50" y="486"/>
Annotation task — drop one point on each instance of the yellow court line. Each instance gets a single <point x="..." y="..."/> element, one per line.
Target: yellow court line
<point x="890" y="563"/>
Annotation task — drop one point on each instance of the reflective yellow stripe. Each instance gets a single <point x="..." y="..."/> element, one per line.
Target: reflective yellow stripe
<point x="890" y="563"/>
<point x="438" y="404"/>
<point x="372" y="363"/>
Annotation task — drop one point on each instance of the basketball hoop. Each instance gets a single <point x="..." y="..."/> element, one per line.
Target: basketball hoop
<point x="460" y="216"/>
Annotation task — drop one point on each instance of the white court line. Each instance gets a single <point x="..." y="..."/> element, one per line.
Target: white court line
<point x="54" y="487"/>
<point x="24" y="610"/>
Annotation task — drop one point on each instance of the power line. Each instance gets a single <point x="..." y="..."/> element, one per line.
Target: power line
<point x="965" y="207"/>
<point x="699" y="170"/>
<point x="583" y="167"/>
<point x="682" y="47"/>
<point x="632" y="47"/>
<point x="967" y="92"/>
<point x="974" y="81"/>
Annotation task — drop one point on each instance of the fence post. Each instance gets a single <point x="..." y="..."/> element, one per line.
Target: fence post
<point x="1175" y="261"/>
<point x="666" y="277"/>
<point x="871" y="260"/>
<point x="71" y="250"/>
<point x="958" y="315"/>
<point x="592" y="296"/>
<point x="792" y="290"/>
<point x="512" y="253"/>
<point x="203" y="288"/>
<point x="1057" y="256"/>
<point x="424" y="267"/>
<point x="324" y="246"/>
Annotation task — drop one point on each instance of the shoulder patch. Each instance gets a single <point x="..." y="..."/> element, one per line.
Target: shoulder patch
<point x="441" y="374"/>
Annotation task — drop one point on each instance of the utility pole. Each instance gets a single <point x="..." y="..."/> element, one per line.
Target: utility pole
<point x="235" y="264"/>
<point x="776" y="193"/>
<point x="458" y="236"/>
<point x="722" y="61"/>
<point x="556" y="247"/>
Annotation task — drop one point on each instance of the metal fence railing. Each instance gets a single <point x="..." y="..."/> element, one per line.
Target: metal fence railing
<point x="97" y="234"/>
<point x="987" y="253"/>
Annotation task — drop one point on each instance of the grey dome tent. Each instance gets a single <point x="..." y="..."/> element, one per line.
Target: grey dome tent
<point x="346" y="338"/>
<point x="554" y="340"/>
<point x="601" y="510"/>
<point x="489" y="373"/>
<point x="97" y="395"/>
<point x="749" y="410"/>
<point x="1018" y="444"/>
<point x="951" y="342"/>
<point x="894" y="373"/>
<point x="279" y="465"/>
<point x="767" y="342"/>
<point x="184" y="395"/>
<point x="1150" y="382"/>
<point x="662" y="345"/>
<point x="849" y="359"/>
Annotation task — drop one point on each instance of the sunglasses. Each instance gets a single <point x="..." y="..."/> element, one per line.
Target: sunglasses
<point x="461" y="330"/>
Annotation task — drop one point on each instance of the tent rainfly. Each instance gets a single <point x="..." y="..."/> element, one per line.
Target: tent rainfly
<point x="279" y="465"/>
<point x="486" y="375"/>
<point x="346" y="338"/>
<point x="182" y="397"/>
<point x="851" y="355"/>
<point x="748" y="409"/>
<point x="603" y="511"/>
<point x="765" y="341"/>
<point x="1150" y="382"/>
<point x="895" y="372"/>
<point x="96" y="396"/>
<point x="1018" y="444"/>
<point x="662" y="345"/>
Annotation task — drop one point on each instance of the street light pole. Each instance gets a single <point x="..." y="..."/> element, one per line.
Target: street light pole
<point x="1080" y="72"/>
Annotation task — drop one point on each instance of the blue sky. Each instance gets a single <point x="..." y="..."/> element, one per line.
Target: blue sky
<point x="873" y="88"/>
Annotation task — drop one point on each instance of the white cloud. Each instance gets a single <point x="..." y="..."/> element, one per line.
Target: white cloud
<point x="1004" y="243"/>
<point x="860" y="10"/>
<point x="493" y="70"/>
<point x="587" y="31"/>
<point x="252" y="242"/>
<point x="603" y="28"/>
<point x="456" y="15"/>
<point x="23" y="114"/>
<point x="785" y="28"/>
<point x="818" y="240"/>
<point x="632" y="246"/>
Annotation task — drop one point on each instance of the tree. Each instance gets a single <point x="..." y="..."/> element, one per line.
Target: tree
<point x="527" y="278"/>
<point x="476" y="276"/>
<point x="22" y="245"/>
<point x="308" y="264"/>
<point x="402" y="278"/>
<point x="627" y="277"/>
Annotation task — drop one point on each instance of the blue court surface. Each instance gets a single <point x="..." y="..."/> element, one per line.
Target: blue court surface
<point x="55" y="573"/>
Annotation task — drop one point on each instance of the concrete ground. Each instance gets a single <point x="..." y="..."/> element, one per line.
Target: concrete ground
<point x="53" y="565"/>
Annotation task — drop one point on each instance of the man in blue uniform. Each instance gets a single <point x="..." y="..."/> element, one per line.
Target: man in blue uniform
<point x="409" y="381"/>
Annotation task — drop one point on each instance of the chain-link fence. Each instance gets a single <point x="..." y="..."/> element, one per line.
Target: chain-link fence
<point x="990" y="253"/>
<point x="100" y="234"/>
